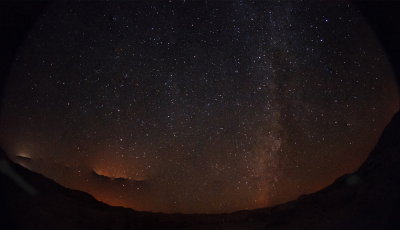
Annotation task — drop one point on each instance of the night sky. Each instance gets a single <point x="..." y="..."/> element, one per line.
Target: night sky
<point x="197" y="106"/>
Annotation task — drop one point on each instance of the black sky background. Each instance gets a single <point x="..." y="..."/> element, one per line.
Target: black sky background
<point x="18" y="17"/>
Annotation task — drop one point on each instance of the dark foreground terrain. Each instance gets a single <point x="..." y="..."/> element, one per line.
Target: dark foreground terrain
<point x="367" y="199"/>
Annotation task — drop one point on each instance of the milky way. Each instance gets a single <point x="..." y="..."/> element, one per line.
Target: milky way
<point x="197" y="106"/>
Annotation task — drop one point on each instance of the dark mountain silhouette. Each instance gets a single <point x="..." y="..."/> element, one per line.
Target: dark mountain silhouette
<point x="366" y="199"/>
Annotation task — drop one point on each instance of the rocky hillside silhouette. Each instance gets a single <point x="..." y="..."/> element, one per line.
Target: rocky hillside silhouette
<point x="366" y="199"/>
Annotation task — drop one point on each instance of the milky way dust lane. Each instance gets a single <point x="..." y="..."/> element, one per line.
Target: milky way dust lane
<point x="197" y="106"/>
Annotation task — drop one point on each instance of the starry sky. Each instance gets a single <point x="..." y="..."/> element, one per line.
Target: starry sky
<point x="197" y="106"/>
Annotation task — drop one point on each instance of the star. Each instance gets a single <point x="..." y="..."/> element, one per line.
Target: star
<point x="197" y="107"/>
